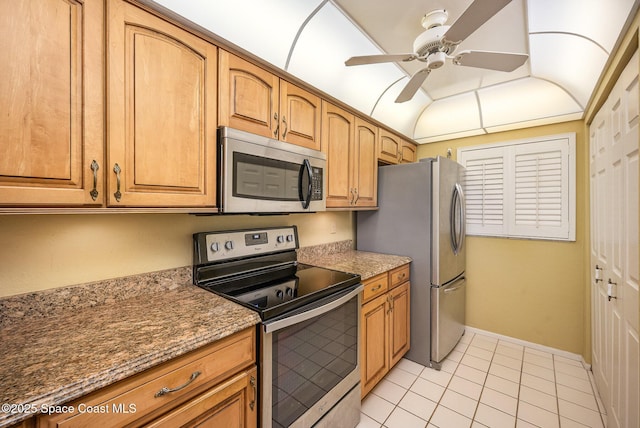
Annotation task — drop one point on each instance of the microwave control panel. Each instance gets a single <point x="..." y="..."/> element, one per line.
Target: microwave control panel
<point x="316" y="184"/>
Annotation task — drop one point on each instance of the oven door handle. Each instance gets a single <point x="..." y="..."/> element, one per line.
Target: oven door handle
<point x="270" y="327"/>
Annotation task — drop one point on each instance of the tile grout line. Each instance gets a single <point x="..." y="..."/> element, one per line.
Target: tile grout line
<point x="455" y="368"/>
<point x="555" y="385"/>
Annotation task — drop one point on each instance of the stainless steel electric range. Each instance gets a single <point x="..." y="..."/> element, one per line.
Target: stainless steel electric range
<point x="309" y="334"/>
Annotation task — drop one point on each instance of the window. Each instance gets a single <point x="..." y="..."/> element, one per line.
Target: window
<point x="521" y="189"/>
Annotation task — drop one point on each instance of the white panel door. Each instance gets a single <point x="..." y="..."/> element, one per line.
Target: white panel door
<point x="614" y="249"/>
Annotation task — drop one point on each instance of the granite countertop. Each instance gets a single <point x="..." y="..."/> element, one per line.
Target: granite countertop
<point x="64" y="343"/>
<point x="61" y="344"/>
<point x="341" y="256"/>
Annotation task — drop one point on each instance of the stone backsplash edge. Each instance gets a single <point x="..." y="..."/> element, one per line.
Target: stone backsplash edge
<point x="40" y="304"/>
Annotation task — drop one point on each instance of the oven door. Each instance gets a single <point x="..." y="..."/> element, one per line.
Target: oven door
<point x="310" y="364"/>
<point x="262" y="175"/>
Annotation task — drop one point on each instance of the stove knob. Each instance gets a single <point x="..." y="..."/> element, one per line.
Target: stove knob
<point x="289" y="238"/>
<point x="280" y="239"/>
<point x="228" y="245"/>
<point x="215" y="247"/>
<point x="279" y="294"/>
<point x="289" y="291"/>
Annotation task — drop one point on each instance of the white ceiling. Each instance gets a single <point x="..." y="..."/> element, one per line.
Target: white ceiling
<point x="568" y="43"/>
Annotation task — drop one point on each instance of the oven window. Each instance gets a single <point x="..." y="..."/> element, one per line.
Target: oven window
<point x="311" y="358"/>
<point x="257" y="177"/>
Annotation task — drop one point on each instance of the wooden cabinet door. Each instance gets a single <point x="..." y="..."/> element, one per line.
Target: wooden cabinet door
<point x="365" y="173"/>
<point x="338" y="134"/>
<point x="408" y="152"/>
<point x="51" y="99"/>
<point x="162" y="112"/>
<point x="300" y="113"/>
<point x="389" y="147"/>
<point x="233" y="404"/>
<point x="399" y="322"/>
<point x="248" y="96"/>
<point x="374" y="354"/>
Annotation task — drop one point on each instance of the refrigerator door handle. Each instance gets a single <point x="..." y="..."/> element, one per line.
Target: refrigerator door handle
<point x="451" y="289"/>
<point x="457" y="213"/>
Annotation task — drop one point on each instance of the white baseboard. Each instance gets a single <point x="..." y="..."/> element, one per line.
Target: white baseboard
<point x="555" y="351"/>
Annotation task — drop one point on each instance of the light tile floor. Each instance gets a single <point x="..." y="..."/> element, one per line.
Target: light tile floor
<point x="486" y="382"/>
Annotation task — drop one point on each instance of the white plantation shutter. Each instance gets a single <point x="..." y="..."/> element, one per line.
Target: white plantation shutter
<point x="521" y="189"/>
<point x="484" y="193"/>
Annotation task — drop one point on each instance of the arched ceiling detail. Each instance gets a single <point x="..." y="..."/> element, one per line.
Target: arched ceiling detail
<point x="568" y="43"/>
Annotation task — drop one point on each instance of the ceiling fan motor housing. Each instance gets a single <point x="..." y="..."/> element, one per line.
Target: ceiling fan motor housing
<point x="429" y="40"/>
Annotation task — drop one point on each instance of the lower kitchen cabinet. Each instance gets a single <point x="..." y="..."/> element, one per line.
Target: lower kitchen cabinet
<point x="384" y="324"/>
<point x="215" y="385"/>
<point x="231" y="405"/>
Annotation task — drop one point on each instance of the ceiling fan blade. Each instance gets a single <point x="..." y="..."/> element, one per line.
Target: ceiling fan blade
<point x="500" y="61"/>
<point x="375" y="59"/>
<point x="413" y="85"/>
<point x="471" y="19"/>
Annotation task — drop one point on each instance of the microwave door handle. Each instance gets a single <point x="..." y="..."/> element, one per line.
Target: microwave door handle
<point x="306" y="200"/>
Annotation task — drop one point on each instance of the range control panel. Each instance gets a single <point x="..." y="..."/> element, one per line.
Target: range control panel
<point x="246" y="243"/>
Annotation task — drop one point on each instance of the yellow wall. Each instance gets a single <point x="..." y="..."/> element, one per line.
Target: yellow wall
<point x="47" y="251"/>
<point x="530" y="289"/>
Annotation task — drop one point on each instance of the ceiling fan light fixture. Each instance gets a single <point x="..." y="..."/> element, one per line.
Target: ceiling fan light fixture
<point x="436" y="60"/>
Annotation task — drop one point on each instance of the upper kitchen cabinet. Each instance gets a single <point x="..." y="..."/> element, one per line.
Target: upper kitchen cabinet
<point x="161" y="134"/>
<point x="51" y="98"/>
<point x="350" y="144"/>
<point x="393" y="149"/>
<point x="255" y="100"/>
<point x="365" y="172"/>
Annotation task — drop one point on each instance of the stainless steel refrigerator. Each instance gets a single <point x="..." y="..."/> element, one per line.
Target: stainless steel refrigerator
<point x="422" y="215"/>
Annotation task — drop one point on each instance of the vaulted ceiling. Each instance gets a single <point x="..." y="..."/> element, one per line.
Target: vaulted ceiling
<point x="568" y="43"/>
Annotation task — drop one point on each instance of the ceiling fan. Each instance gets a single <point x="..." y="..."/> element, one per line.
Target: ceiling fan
<point x="439" y="42"/>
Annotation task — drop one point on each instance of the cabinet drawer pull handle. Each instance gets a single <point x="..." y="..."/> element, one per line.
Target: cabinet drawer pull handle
<point x="286" y="128"/>
<point x="94" y="192"/>
<point x="117" y="194"/>
<point x="378" y="287"/>
<point x="252" y="381"/>
<point x="166" y="390"/>
<point x="275" y="117"/>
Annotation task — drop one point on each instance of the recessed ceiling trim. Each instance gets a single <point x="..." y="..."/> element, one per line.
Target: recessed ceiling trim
<point x="300" y="30"/>
<point x="373" y="109"/>
<point x="562" y="88"/>
<point x="477" y="96"/>
<point x="567" y="33"/>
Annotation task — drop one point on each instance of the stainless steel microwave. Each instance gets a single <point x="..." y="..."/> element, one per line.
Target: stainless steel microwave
<point x="263" y="175"/>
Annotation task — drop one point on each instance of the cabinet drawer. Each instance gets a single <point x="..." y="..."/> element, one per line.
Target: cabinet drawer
<point x="375" y="286"/>
<point x="134" y="398"/>
<point x="230" y="404"/>
<point x="398" y="276"/>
